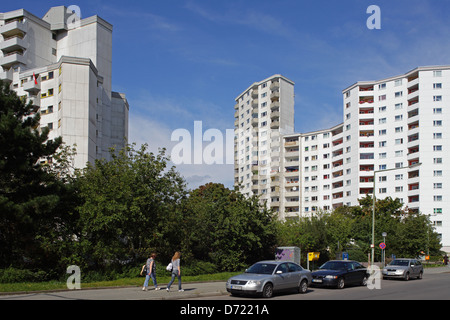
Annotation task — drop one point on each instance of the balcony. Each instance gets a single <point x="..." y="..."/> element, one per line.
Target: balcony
<point x="275" y="124"/>
<point x="13" y="43"/>
<point x="275" y="96"/>
<point x="14" y="28"/>
<point x="12" y="58"/>
<point x="368" y="99"/>
<point x="275" y="86"/>
<point x="32" y="87"/>
<point x="255" y="94"/>
<point x="7" y="76"/>
<point x="275" y="115"/>
<point x="366" y="133"/>
<point x="275" y="106"/>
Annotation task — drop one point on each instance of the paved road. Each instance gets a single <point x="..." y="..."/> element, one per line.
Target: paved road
<point x="435" y="285"/>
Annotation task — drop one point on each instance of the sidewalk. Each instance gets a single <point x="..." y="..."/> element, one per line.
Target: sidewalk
<point x="191" y="290"/>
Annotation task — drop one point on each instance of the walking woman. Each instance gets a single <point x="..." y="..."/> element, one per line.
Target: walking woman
<point x="151" y="272"/>
<point x="176" y="271"/>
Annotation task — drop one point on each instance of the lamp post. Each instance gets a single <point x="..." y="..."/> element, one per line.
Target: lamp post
<point x="373" y="205"/>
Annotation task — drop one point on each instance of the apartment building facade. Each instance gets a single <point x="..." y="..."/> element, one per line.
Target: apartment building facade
<point x="264" y="112"/>
<point x="392" y="138"/>
<point x="65" y="70"/>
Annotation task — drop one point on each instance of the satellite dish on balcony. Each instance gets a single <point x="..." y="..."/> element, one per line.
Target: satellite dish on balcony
<point x="294" y="189"/>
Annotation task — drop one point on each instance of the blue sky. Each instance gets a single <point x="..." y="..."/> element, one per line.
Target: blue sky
<point x="179" y="61"/>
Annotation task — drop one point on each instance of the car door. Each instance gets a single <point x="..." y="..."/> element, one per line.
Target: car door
<point x="281" y="277"/>
<point x="355" y="272"/>
<point x="415" y="266"/>
<point x="295" y="274"/>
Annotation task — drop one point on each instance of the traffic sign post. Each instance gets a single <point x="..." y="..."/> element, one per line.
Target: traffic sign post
<point x="383" y="247"/>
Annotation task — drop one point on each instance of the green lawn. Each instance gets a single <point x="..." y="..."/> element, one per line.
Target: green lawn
<point x="138" y="281"/>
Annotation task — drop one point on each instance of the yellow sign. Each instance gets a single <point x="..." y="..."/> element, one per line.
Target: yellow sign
<point x="313" y="256"/>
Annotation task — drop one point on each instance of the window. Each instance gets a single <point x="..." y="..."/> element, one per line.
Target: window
<point x="399" y="117"/>
<point x="437" y="173"/>
<point x="437" y="85"/>
<point x="437" y="110"/>
<point x="437" y="148"/>
<point x="437" y="98"/>
<point x="399" y="94"/>
<point x="437" y="73"/>
<point x="382" y="86"/>
<point x="382" y="98"/>
<point x="398" y="83"/>
<point x="437" y="185"/>
<point x="437" y="135"/>
<point x="437" y="198"/>
<point x="437" y="123"/>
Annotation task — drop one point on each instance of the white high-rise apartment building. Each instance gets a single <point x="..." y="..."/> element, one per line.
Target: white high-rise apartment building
<point x="263" y="113"/>
<point x="392" y="129"/>
<point x="63" y="65"/>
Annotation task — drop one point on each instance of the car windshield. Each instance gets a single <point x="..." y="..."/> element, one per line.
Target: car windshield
<point x="261" y="268"/>
<point x="332" y="265"/>
<point x="399" y="263"/>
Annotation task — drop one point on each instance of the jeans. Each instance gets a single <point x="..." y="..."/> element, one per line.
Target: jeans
<point x="175" y="274"/>
<point x="147" y="278"/>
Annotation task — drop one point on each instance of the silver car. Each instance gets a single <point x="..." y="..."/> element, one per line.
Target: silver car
<point x="266" y="277"/>
<point x="403" y="269"/>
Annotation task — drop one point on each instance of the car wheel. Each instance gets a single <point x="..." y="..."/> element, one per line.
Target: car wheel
<point x="420" y="276"/>
<point x="341" y="283"/>
<point x="267" y="291"/>
<point x="303" y="287"/>
<point x="406" y="276"/>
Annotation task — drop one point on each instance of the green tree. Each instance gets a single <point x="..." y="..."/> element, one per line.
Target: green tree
<point x="29" y="195"/>
<point x="223" y="227"/>
<point x="128" y="206"/>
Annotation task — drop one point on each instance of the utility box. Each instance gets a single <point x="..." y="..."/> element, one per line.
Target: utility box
<point x="291" y="254"/>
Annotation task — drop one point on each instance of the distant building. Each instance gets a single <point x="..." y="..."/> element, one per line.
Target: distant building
<point x="65" y="70"/>
<point x="392" y="137"/>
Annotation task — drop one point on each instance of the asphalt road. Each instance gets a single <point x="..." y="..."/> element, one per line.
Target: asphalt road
<point x="433" y="286"/>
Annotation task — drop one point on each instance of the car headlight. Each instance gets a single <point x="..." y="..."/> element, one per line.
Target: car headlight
<point x="253" y="283"/>
<point x="399" y="271"/>
<point x="331" y="277"/>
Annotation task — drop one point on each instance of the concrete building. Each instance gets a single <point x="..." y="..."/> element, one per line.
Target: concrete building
<point x="263" y="113"/>
<point x="63" y="65"/>
<point x="392" y="138"/>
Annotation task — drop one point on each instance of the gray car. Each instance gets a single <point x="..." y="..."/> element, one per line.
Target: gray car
<point x="403" y="269"/>
<point x="267" y="277"/>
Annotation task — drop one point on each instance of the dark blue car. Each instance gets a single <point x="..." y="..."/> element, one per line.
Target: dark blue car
<point x="339" y="273"/>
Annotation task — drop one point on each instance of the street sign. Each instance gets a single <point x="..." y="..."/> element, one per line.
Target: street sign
<point x="345" y="256"/>
<point x="382" y="246"/>
<point x="313" y="256"/>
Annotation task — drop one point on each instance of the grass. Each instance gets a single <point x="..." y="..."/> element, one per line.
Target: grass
<point x="125" y="282"/>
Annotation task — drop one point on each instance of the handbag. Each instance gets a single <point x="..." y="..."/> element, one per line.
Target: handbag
<point x="169" y="267"/>
<point x="145" y="271"/>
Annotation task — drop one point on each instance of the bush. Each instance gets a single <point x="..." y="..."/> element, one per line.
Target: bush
<point x="12" y="275"/>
